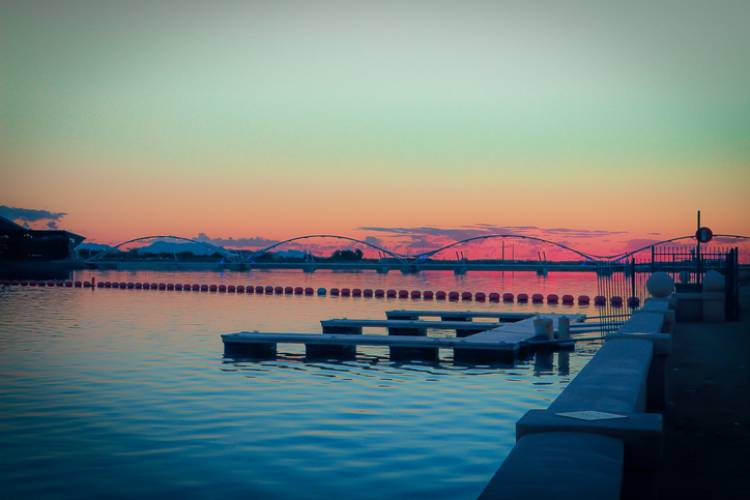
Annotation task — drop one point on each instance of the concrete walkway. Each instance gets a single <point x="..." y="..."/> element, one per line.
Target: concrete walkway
<point x="707" y="420"/>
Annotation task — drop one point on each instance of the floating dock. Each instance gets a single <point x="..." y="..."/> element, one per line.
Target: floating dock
<point x="405" y="326"/>
<point x="502" y="317"/>
<point x="492" y="343"/>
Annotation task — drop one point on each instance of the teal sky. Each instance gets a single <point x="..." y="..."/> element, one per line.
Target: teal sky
<point x="356" y="93"/>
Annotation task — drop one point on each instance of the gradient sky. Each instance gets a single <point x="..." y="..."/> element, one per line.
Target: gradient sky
<point x="274" y="119"/>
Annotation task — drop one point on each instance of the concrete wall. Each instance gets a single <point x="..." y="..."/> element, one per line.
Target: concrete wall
<point x="557" y="456"/>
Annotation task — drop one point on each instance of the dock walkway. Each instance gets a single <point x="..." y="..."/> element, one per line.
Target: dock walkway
<point x="500" y="342"/>
<point x="501" y="316"/>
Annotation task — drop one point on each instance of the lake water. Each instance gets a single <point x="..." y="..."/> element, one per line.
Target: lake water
<point x="126" y="393"/>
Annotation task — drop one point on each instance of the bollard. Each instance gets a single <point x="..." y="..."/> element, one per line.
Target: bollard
<point x="543" y="328"/>
<point x="563" y="328"/>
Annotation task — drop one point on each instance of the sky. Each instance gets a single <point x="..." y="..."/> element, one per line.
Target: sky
<point x="601" y="124"/>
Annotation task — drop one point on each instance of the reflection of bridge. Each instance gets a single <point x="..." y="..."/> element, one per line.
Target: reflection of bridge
<point x="392" y="259"/>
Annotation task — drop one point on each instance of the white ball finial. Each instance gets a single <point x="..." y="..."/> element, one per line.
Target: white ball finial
<point x="713" y="281"/>
<point x="660" y="285"/>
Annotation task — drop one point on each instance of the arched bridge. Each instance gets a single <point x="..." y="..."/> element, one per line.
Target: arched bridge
<point x="236" y="257"/>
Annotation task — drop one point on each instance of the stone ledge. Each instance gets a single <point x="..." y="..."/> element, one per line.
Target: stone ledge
<point x="662" y="341"/>
<point x="560" y="465"/>
<point x="641" y="432"/>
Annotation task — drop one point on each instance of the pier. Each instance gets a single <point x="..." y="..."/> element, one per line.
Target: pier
<point x="489" y="342"/>
<point x="500" y="316"/>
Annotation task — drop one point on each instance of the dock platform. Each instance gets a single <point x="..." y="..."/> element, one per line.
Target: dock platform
<point x="500" y="316"/>
<point x="406" y="326"/>
<point x="501" y="343"/>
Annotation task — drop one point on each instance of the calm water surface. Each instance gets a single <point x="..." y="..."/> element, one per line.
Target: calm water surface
<point x="127" y="393"/>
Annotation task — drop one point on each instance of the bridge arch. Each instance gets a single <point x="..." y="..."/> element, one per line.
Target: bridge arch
<point x="625" y="255"/>
<point x="384" y="250"/>
<point x="585" y="255"/>
<point x="223" y="251"/>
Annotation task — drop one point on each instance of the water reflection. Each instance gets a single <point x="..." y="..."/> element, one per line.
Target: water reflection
<point x="128" y="391"/>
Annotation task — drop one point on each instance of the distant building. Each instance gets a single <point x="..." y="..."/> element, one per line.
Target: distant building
<point x="18" y="243"/>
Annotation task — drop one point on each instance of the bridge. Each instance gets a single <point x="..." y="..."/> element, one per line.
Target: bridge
<point x="391" y="259"/>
